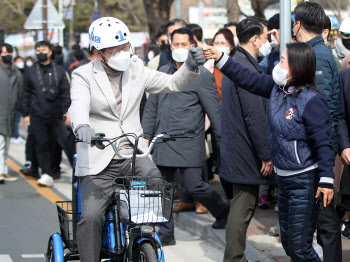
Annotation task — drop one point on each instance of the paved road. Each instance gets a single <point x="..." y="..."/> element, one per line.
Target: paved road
<point x="28" y="218"/>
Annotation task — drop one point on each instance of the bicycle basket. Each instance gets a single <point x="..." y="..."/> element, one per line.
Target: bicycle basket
<point x="144" y="200"/>
<point x="67" y="220"/>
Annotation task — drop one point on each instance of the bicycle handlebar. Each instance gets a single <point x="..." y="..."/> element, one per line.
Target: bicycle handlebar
<point x="100" y="138"/>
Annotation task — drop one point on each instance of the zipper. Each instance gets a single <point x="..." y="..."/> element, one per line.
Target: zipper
<point x="296" y="151"/>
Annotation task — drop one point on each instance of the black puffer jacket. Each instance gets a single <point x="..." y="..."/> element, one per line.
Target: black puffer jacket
<point x="34" y="101"/>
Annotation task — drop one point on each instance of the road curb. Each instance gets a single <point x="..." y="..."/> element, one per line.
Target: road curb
<point x="200" y="226"/>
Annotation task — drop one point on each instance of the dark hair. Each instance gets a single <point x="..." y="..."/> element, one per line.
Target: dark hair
<point x="43" y="43"/>
<point x="274" y="22"/>
<point x="17" y="57"/>
<point x="57" y="49"/>
<point x="230" y="24"/>
<point x="162" y="30"/>
<point x="327" y="25"/>
<point x="29" y="58"/>
<point x="197" y="31"/>
<point x="8" y="47"/>
<point x="302" y="64"/>
<point x="79" y="55"/>
<point x="76" y="47"/>
<point x="250" y="27"/>
<point x="183" y="31"/>
<point x="153" y="46"/>
<point x="176" y="21"/>
<point x="311" y="15"/>
<point x="229" y="38"/>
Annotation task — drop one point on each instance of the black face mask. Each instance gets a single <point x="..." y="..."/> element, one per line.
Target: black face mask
<point x="346" y="43"/>
<point x="6" y="59"/>
<point x="41" y="57"/>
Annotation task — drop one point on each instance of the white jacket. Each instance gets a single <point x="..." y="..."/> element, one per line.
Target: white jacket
<point x="94" y="104"/>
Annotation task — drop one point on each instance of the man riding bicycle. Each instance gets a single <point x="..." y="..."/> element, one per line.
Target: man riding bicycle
<point x="106" y="96"/>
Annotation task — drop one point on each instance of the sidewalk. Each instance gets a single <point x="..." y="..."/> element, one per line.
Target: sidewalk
<point x="260" y="246"/>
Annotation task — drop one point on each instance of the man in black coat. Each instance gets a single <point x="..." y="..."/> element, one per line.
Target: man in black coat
<point x="46" y="100"/>
<point x="343" y="131"/>
<point x="185" y="111"/>
<point x="245" y="158"/>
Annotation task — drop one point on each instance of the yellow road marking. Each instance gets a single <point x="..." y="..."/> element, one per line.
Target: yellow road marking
<point x="44" y="191"/>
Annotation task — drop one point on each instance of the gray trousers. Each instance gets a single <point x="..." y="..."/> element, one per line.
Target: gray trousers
<point x="96" y="195"/>
<point x="242" y="210"/>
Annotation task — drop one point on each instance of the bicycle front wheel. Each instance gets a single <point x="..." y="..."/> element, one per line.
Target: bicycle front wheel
<point x="144" y="252"/>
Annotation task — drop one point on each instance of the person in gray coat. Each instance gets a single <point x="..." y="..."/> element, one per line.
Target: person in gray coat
<point x="185" y="111"/>
<point x="11" y="82"/>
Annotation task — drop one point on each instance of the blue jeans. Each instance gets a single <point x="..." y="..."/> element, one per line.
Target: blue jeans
<point x="298" y="215"/>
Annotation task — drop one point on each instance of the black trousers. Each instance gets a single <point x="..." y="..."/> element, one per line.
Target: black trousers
<point x="329" y="234"/>
<point x="191" y="179"/>
<point x="30" y="148"/>
<point x="47" y="150"/>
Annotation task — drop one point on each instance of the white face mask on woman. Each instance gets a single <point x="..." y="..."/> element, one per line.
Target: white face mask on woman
<point x="224" y="49"/>
<point x="279" y="75"/>
<point x="179" y="55"/>
<point x="120" y="61"/>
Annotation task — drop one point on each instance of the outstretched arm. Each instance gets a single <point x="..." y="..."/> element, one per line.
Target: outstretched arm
<point x="253" y="82"/>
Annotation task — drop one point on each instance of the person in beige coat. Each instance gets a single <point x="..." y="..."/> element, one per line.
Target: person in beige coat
<point x="106" y="96"/>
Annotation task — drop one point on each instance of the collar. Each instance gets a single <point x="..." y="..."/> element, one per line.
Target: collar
<point x="251" y="58"/>
<point x="316" y="40"/>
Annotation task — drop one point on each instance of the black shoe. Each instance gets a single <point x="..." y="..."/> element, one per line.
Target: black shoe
<point x="167" y="240"/>
<point x="221" y="221"/>
<point x="28" y="170"/>
<point x="346" y="232"/>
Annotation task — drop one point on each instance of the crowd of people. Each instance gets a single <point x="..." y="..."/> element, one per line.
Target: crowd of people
<point x="275" y="126"/>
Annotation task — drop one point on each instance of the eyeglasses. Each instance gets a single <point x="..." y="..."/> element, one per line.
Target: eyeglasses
<point x="345" y="34"/>
<point x="219" y="43"/>
<point x="125" y="47"/>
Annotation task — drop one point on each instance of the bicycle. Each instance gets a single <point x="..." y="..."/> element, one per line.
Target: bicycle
<point x="138" y="204"/>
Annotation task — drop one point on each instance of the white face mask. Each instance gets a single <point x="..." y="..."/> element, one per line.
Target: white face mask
<point x="279" y="75"/>
<point x="120" y="61"/>
<point x="150" y="55"/>
<point x="265" y="49"/>
<point x="235" y="39"/>
<point x="20" y="65"/>
<point x="29" y="63"/>
<point x="224" y="49"/>
<point x="179" y="55"/>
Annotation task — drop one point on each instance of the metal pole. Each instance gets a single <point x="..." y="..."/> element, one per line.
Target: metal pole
<point x="60" y="31"/>
<point x="201" y="13"/>
<point x="44" y="7"/>
<point x="285" y="24"/>
<point x="178" y="8"/>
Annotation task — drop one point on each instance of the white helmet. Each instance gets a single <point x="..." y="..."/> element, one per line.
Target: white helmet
<point x="345" y="26"/>
<point x="108" y="32"/>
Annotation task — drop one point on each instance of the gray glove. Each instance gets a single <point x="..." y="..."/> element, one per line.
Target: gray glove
<point x="85" y="133"/>
<point x="195" y="58"/>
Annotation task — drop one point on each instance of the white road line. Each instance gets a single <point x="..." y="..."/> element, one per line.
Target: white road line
<point x="5" y="258"/>
<point x="32" y="256"/>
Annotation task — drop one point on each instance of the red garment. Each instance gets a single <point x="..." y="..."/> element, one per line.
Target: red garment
<point x="218" y="80"/>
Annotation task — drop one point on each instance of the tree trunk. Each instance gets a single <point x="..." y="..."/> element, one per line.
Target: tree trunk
<point x="157" y="13"/>
<point x="233" y="11"/>
<point x="101" y="8"/>
<point x="260" y="6"/>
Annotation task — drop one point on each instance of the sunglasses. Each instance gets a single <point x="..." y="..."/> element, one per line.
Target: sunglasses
<point x="345" y="34"/>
